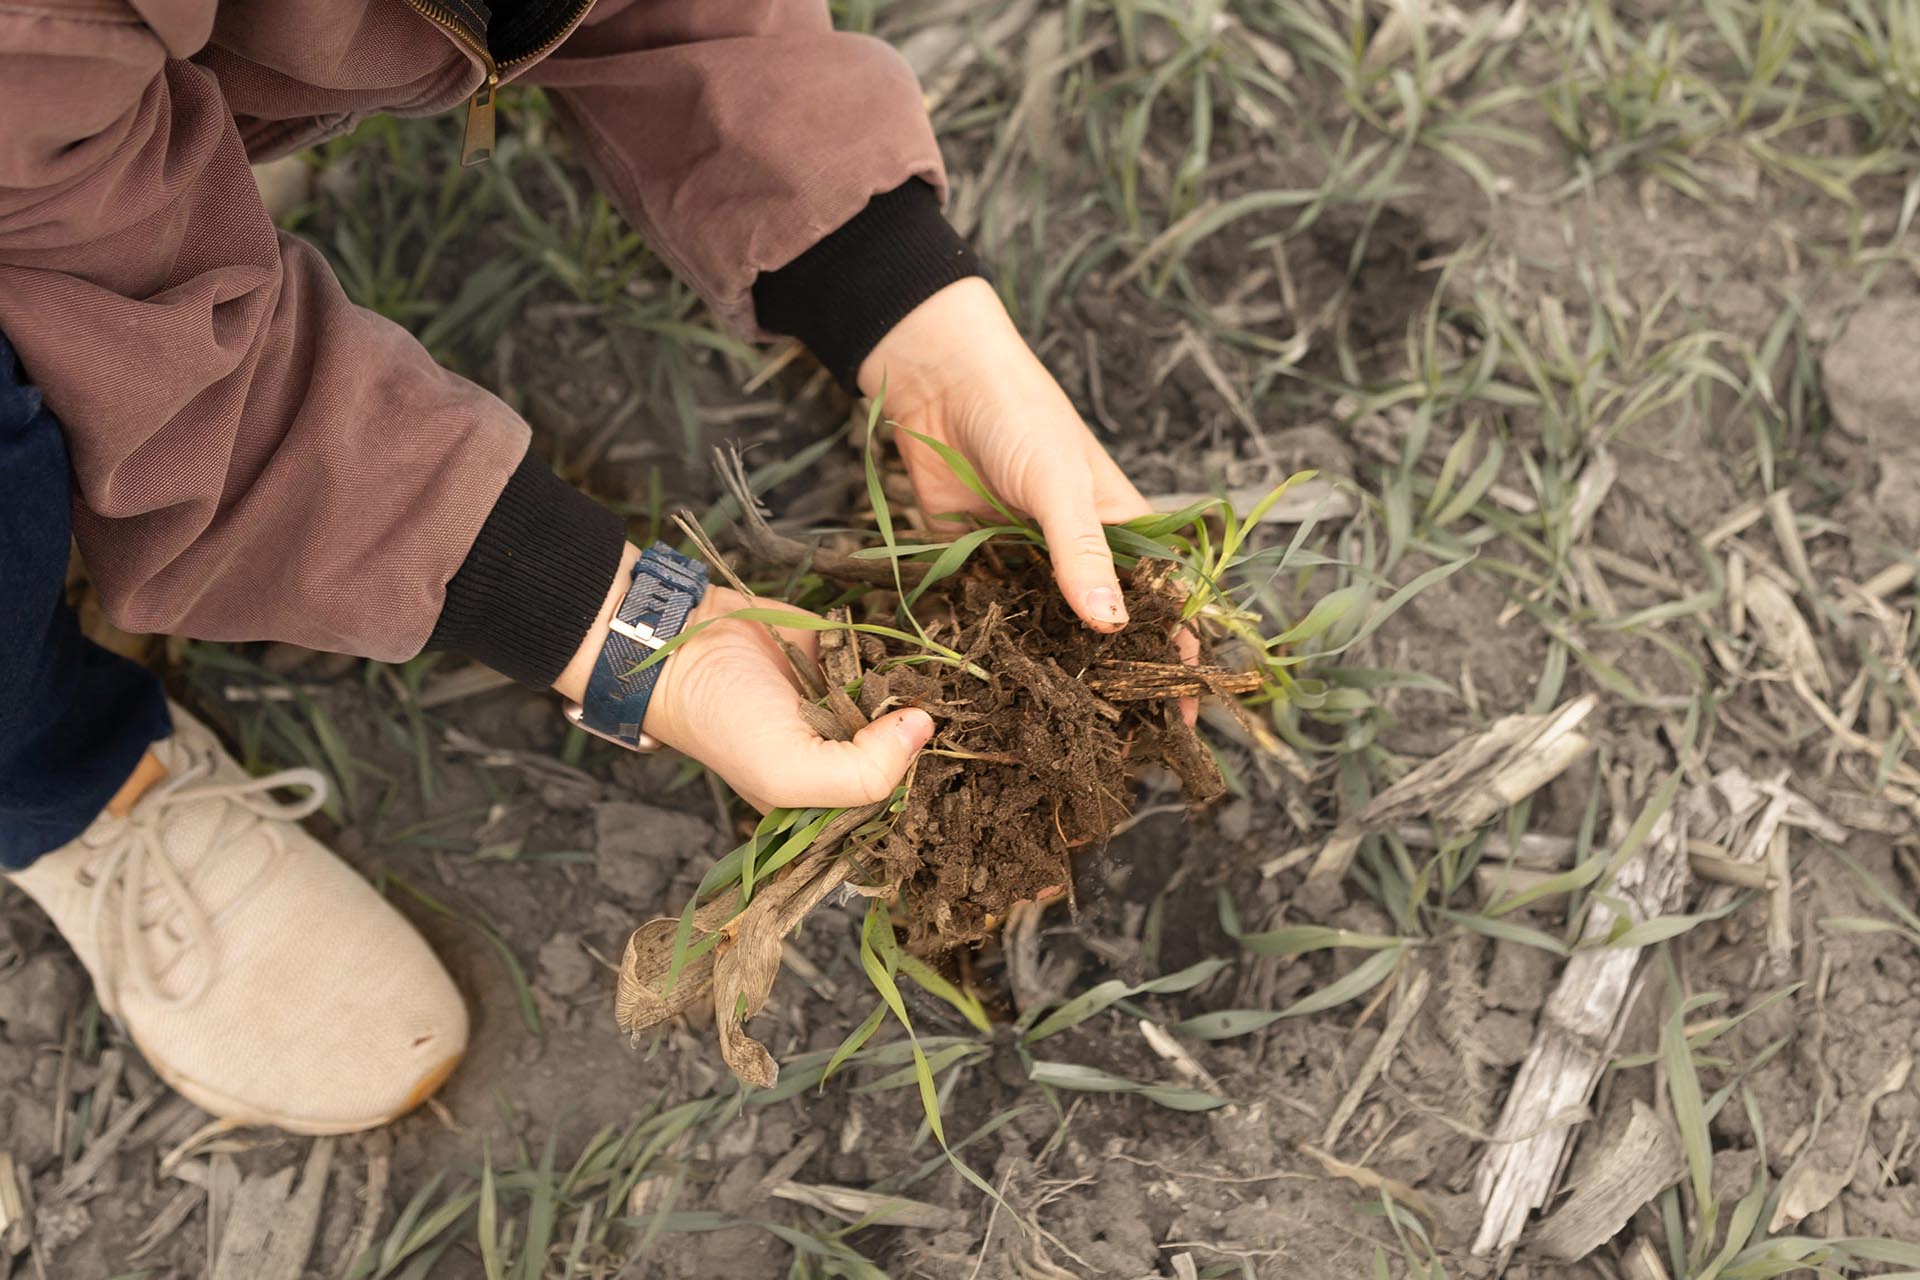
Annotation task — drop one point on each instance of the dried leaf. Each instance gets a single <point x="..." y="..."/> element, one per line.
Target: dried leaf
<point x="642" y="999"/>
<point x="1784" y="632"/>
<point x="749" y="958"/>
<point x="851" y="1204"/>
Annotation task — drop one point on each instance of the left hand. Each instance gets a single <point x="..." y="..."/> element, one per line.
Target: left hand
<point x="958" y="371"/>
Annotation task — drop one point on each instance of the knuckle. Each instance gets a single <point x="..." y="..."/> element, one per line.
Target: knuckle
<point x="1089" y="544"/>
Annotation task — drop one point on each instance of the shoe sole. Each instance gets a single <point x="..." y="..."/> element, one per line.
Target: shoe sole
<point x="221" y="1107"/>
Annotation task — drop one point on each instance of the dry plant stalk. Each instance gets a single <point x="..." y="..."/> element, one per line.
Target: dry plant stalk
<point x="1577" y="1030"/>
<point x="1640" y="1162"/>
<point x="763" y="545"/>
<point x="1470" y="783"/>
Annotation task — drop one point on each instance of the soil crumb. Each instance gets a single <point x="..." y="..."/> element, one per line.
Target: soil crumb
<point x="1028" y="764"/>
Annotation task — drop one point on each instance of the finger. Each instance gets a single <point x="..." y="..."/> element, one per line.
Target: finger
<point x="1082" y="563"/>
<point x="845" y="774"/>
<point x="1115" y="496"/>
<point x="1189" y="646"/>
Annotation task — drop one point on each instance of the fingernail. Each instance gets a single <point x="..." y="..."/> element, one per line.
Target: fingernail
<point x="914" y="726"/>
<point x="1105" y="605"/>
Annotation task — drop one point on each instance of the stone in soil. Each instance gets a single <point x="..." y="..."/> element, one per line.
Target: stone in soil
<point x="1867" y="373"/>
<point x="636" y="845"/>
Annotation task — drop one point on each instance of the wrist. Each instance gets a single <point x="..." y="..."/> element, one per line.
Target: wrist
<point x="572" y="682"/>
<point x="926" y="351"/>
<point x="842" y="296"/>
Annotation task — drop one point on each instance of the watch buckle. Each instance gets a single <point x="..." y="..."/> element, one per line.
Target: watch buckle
<point x="638" y="632"/>
<point x="576" y="716"/>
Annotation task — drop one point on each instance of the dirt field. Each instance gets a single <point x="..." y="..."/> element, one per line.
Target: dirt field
<point x="1598" y="323"/>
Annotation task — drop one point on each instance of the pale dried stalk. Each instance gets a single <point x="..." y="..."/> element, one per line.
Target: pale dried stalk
<point x="1574" y="1040"/>
<point x="1643" y="1262"/>
<point x="1383" y="1050"/>
<point x="764" y="546"/>
<point x="853" y="1204"/>
<point x="1638" y="1164"/>
<point x="1469" y="784"/>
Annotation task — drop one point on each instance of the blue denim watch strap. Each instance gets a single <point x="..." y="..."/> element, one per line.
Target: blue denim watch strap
<point x="666" y="587"/>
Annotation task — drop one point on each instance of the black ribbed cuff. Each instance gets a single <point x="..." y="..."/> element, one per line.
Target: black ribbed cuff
<point x="534" y="581"/>
<point x="842" y="296"/>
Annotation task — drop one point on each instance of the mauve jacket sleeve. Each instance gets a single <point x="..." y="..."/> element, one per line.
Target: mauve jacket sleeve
<point x="254" y="457"/>
<point x="768" y="159"/>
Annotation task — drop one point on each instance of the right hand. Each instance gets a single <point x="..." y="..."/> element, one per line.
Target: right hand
<point x="727" y="698"/>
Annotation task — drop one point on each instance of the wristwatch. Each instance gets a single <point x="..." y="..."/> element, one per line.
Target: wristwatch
<point x="665" y="588"/>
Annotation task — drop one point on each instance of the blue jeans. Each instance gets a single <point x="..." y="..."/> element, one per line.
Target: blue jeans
<point x="74" y="718"/>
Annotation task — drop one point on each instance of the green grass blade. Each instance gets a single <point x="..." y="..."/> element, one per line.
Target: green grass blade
<point x="855" y="1040"/>
<point x="968" y="1005"/>
<point x="1072" y="1013"/>
<point x="1074" y="1076"/>
<point x="488" y="1226"/>
<point x="876" y="941"/>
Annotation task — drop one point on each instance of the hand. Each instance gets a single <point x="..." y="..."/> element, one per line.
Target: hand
<point x="958" y="371"/>
<point x="727" y="698"/>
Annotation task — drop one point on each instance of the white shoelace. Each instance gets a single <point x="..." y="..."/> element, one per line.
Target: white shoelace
<point x="137" y="855"/>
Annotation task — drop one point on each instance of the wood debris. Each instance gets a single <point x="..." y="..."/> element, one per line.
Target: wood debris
<point x="172" y="1216"/>
<point x="1578" y="1027"/>
<point x="373" y="1199"/>
<point x="1784" y="632"/>
<point x="102" y="1149"/>
<point x="1384" y="1048"/>
<point x="16" y="1227"/>
<point x="268" y="1224"/>
<point x="1638" y="1163"/>
<point x="1469" y="784"/>
<point x="1135" y="681"/>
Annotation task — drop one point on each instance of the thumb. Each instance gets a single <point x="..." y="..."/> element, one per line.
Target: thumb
<point x="845" y="774"/>
<point x="1082" y="562"/>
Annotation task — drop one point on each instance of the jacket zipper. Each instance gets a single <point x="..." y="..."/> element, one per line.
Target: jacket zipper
<point x="477" y="146"/>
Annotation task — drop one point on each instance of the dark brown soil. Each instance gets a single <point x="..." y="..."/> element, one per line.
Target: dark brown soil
<point x="1030" y="763"/>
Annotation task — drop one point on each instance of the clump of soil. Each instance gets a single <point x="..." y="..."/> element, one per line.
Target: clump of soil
<point x="1040" y="726"/>
<point x="1033" y="761"/>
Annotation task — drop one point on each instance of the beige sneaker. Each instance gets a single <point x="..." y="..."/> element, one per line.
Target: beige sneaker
<point x="258" y="973"/>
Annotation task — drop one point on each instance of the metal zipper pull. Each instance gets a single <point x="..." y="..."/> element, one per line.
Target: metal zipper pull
<point x="478" y="147"/>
